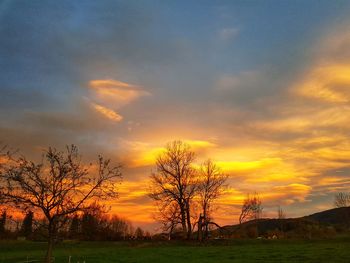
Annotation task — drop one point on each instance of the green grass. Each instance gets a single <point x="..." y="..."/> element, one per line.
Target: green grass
<point x="330" y="250"/>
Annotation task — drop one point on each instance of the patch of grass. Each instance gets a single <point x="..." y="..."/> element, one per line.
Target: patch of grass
<point x="222" y="251"/>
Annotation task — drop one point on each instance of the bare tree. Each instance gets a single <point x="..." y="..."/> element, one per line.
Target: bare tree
<point x="139" y="233"/>
<point x="94" y="221"/>
<point x="251" y="208"/>
<point x="280" y="213"/>
<point x="58" y="186"/>
<point x="342" y="199"/>
<point x="210" y="187"/>
<point x="175" y="181"/>
<point x="120" y="227"/>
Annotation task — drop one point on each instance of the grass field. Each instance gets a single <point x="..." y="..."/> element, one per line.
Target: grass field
<point x="331" y="250"/>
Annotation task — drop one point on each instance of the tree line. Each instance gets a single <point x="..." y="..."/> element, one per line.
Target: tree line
<point x="93" y="224"/>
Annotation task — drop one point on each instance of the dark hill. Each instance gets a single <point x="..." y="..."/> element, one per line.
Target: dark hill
<point x="321" y="224"/>
<point x="336" y="216"/>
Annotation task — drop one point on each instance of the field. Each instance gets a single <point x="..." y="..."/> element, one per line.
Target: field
<point x="330" y="250"/>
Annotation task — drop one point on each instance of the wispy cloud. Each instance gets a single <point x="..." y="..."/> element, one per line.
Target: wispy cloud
<point x="115" y="92"/>
<point x="108" y="113"/>
<point x="327" y="83"/>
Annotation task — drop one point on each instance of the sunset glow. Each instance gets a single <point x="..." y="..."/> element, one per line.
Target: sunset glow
<point x="269" y="106"/>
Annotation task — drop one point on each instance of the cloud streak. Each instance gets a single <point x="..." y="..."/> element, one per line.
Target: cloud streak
<point x="116" y="92"/>
<point x="108" y="113"/>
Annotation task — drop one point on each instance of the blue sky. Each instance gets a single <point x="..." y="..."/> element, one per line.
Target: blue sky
<point x="259" y="86"/>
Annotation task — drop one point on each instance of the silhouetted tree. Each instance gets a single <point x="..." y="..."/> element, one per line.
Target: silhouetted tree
<point x="139" y="233"/>
<point x="342" y="199"/>
<point x="251" y="208"/>
<point x="74" y="227"/>
<point x="210" y="187"/>
<point x="148" y="235"/>
<point x="58" y="186"/>
<point x="175" y="181"/>
<point x="280" y="213"/>
<point x="93" y="222"/>
<point x="120" y="228"/>
<point x="3" y="218"/>
<point x="27" y="225"/>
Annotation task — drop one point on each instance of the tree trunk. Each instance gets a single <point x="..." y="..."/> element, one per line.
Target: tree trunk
<point x="183" y="220"/>
<point x="205" y="219"/>
<point x="188" y="217"/>
<point x="200" y="233"/>
<point x="50" y="243"/>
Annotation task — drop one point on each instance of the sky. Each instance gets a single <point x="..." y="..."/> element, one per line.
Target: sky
<point x="260" y="87"/>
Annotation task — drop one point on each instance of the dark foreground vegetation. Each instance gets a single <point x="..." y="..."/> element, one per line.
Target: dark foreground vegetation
<point x="325" y="250"/>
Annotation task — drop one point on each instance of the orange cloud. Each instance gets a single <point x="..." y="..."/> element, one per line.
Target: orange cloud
<point x="295" y="191"/>
<point x="109" y="83"/>
<point x="134" y="202"/>
<point x="114" y="91"/>
<point x="108" y="113"/>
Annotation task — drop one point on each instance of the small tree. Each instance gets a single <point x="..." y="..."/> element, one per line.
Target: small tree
<point x="74" y="226"/>
<point x="120" y="227"/>
<point x="139" y="233"/>
<point x="148" y="235"/>
<point x="58" y="186"/>
<point x="3" y="218"/>
<point x="342" y="199"/>
<point x="92" y="222"/>
<point x="280" y="213"/>
<point x="27" y="225"/>
<point x="251" y="208"/>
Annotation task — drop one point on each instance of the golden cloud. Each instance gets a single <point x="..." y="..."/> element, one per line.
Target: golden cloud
<point x="329" y="83"/>
<point x="108" y="113"/>
<point x="333" y="182"/>
<point x="199" y="144"/>
<point x="130" y="193"/>
<point x="297" y="189"/>
<point x="248" y="166"/>
<point x="145" y="154"/>
<point x="115" y="92"/>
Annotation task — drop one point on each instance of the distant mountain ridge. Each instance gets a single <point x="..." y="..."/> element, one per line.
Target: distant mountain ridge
<point x="325" y="223"/>
<point x="335" y="216"/>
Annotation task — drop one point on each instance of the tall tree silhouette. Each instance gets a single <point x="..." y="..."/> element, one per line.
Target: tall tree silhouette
<point x="175" y="182"/>
<point x="210" y="187"/>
